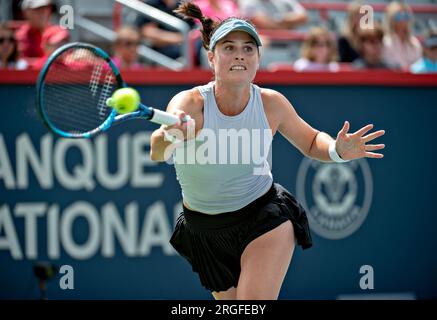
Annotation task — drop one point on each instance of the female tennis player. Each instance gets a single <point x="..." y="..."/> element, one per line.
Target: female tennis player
<point x="238" y="229"/>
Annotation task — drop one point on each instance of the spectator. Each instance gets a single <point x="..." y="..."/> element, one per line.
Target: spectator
<point x="126" y="49"/>
<point x="274" y="14"/>
<point x="52" y="38"/>
<point x="428" y="63"/>
<point x="161" y="38"/>
<point x="348" y="41"/>
<point x="370" y="48"/>
<point x="29" y="36"/>
<point x="9" y="50"/>
<point x="318" y="52"/>
<point x="400" y="45"/>
<point x="218" y="9"/>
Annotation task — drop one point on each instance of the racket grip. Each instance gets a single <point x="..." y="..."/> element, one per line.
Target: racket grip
<point x="162" y="117"/>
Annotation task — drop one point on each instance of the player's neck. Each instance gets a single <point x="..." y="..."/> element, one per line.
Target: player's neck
<point x="231" y="99"/>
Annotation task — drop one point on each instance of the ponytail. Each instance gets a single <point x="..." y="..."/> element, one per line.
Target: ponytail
<point x="189" y="10"/>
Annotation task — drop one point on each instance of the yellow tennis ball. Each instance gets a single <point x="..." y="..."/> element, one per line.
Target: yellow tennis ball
<point x="124" y="100"/>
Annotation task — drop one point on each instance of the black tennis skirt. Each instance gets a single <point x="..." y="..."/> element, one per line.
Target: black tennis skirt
<point x="213" y="244"/>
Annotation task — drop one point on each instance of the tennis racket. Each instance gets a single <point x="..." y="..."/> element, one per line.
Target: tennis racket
<point x="72" y="92"/>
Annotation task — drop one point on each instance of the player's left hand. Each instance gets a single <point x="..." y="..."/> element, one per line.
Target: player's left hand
<point x="351" y="146"/>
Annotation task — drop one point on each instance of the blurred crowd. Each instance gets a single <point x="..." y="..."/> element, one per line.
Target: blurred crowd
<point x="388" y="44"/>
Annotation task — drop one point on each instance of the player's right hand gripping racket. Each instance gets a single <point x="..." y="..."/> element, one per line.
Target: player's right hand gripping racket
<point x="73" y="88"/>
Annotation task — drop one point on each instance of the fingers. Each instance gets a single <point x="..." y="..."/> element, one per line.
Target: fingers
<point x="181" y="115"/>
<point x="373" y="135"/>
<point x="363" y="130"/>
<point x="345" y="128"/>
<point x="186" y="118"/>
<point x="184" y="129"/>
<point x="374" y="155"/>
<point x="373" y="147"/>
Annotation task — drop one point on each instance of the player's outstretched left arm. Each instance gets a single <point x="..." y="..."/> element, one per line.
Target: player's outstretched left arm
<point x="316" y="144"/>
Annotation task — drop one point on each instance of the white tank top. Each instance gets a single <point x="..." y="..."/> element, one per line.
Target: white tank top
<point x="226" y="167"/>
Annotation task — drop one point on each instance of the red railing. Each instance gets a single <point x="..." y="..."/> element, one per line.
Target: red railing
<point x="280" y="77"/>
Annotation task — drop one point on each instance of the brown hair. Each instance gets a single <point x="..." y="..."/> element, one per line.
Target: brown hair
<point x="308" y="45"/>
<point x="189" y="10"/>
<point x="14" y="56"/>
<point x="363" y="34"/>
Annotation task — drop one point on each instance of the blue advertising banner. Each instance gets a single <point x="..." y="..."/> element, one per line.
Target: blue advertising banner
<point x="102" y="212"/>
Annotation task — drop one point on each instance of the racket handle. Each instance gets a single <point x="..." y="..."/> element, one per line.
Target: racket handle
<point x="162" y="117"/>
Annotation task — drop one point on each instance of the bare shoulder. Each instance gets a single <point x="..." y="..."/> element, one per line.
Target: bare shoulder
<point x="190" y="101"/>
<point x="272" y="98"/>
<point x="276" y="107"/>
<point x="287" y="121"/>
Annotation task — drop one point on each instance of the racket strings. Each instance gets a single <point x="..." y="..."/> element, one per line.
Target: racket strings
<point x="76" y="87"/>
<point x="68" y="110"/>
